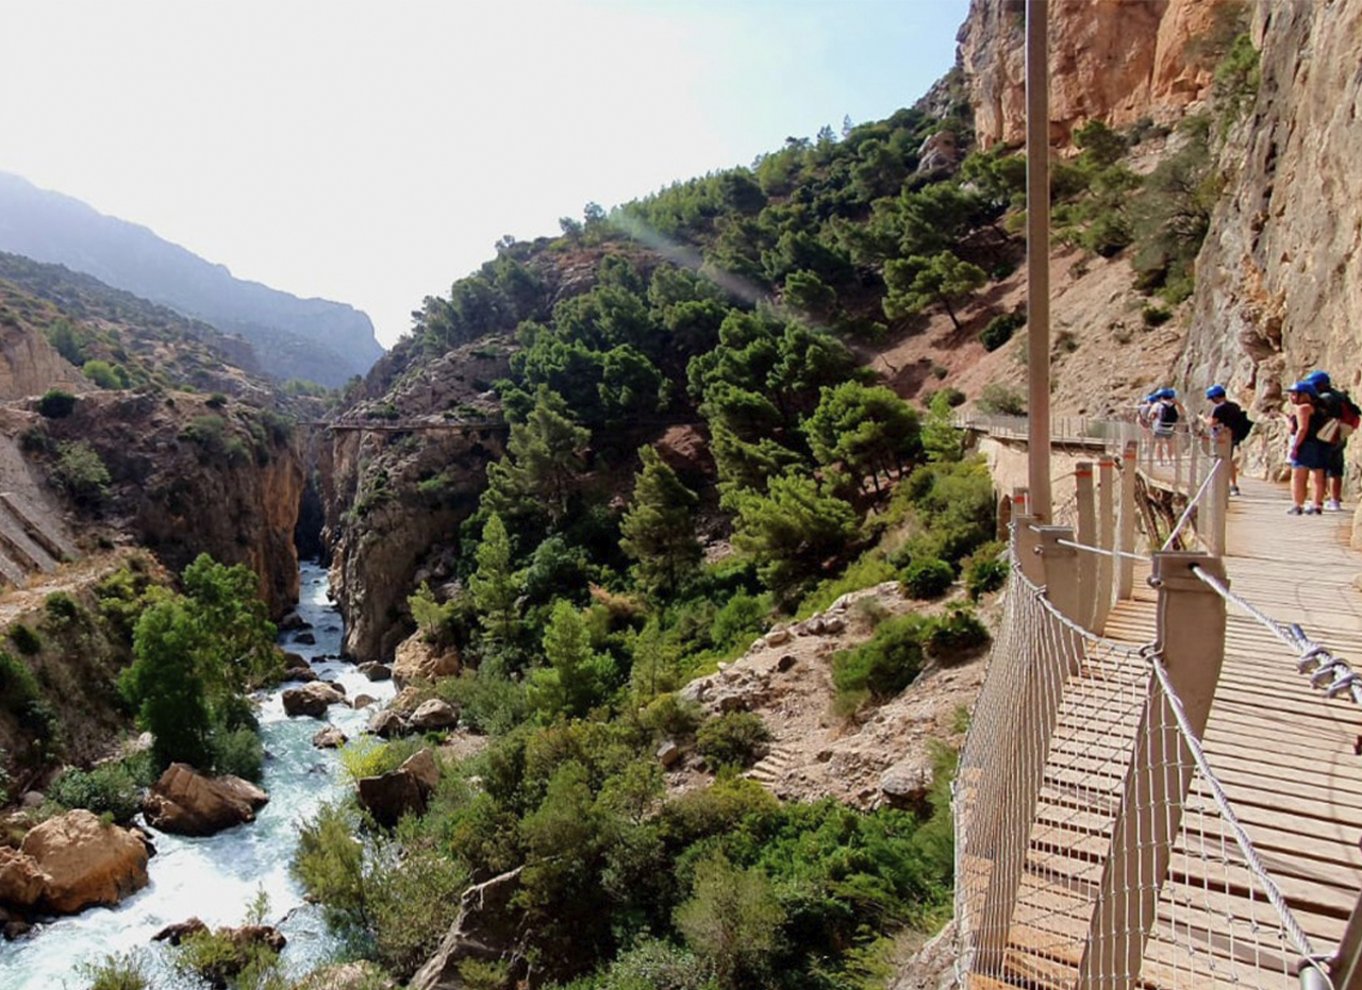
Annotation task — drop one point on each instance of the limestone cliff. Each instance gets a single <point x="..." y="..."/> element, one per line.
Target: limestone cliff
<point x="398" y="476"/>
<point x="1278" y="284"/>
<point x="188" y="474"/>
<point x="1113" y="60"/>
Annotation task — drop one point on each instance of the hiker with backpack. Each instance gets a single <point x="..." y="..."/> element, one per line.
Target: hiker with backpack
<point x="1228" y="415"/>
<point x="1308" y="453"/>
<point x="1344" y="418"/>
<point x="1167" y="411"/>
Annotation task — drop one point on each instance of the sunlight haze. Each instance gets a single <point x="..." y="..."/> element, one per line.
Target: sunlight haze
<point x="372" y="154"/>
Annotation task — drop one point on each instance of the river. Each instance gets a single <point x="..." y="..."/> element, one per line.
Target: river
<point x="217" y="877"/>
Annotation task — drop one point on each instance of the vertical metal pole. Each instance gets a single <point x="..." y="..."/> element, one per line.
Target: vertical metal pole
<point x="1087" y="535"/>
<point x="1106" y="539"/>
<point x="1038" y="256"/>
<point x="1125" y="566"/>
<point x="1346" y="966"/>
<point x="1191" y="637"/>
<point x="1219" y="494"/>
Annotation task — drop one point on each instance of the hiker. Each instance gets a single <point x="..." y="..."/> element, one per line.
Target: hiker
<point x="1309" y="455"/>
<point x="1164" y="417"/>
<point x="1346" y="417"/>
<point x="1228" y="415"/>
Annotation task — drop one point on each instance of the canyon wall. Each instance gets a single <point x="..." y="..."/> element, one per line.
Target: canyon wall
<point x="1113" y="60"/>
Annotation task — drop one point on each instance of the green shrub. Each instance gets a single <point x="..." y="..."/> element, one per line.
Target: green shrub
<point x="25" y="640"/>
<point x="106" y="375"/>
<point x="670" y="716"/>
<point x="216" y="401"/>
<point x="732" y="739"/>
<point x="929" y="578"/>
<point x="985" y="570"/>
<point x="116" y="971"/>
<point x="886" y="663"/>
<point x="955" y="636"/>
<point x="370" y="757"/>
<point x="488" y="702"/>
<point x="36" y="440"/>
<point x="1156" y="316"/>
<point x="238" y="752"/>
<point x="870" y="570"/>
<point x="1001" y="328"/>
<point x="61" y="608"/>
<point x="106" y="789"/>
<point x="56" y="404"/>
<point x="81" y="473"/>
<point x="1003" y="400"/>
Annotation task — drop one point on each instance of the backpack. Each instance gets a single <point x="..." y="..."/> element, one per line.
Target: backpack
<point x="1344" y="416"/>
<point x="1234" y="417"/>
<point x="1167" y="414"/>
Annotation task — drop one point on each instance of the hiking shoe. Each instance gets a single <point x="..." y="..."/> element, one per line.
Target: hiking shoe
<point x="1295" y="510"/>
<point x="1234" y="489"/>
<point x="1333" y="505"/>
<point x="1314" y="510"/>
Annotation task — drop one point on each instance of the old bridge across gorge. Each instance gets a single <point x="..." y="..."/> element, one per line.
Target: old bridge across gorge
<point x="1160" y="786"/>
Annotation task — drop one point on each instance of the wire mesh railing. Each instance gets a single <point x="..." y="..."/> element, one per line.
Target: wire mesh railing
<point x="1095" y="846"/>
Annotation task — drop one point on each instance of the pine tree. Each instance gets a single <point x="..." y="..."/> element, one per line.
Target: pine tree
<point x="659" y="528"/>
<point x="543" y="458"/>
<point x="496" y="591"/>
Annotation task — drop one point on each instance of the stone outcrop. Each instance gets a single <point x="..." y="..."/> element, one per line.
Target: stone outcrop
<point x="311" y="699"/>
<point x="186" y="802"/>
<point x="1109" y="60"/>
<point x="1278" y="284"/>
<point x="383" y="530"/>
<point x="22" y="883"/>
<point x="402" y="791"/>
<point x="85" y="862"/>
<point x="434" y="715"/>
<point x="416" y="660"/>
<point x="329" y="738"/>
<point x="487" y="929"/>
<point x="188" y="478"/>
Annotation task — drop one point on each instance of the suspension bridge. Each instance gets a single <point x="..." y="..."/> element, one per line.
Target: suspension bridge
<point x="1161" y="785"/>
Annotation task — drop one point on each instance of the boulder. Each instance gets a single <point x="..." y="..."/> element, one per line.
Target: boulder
<point x="22" y="883"/>
<point x="313" y="700"/>
<point x="305" y="638"/>
<point x="387" y="724"/>
<point x="336" y="686"/>
<point x="178" y="932"/>
<point x="908" y="788"/>
<point x="434" y="715"/>
<point x="417" y="660"/>
<point x="487" y="928"/>
<point x="669" y="754"/>
<point x="186" y="802"/>
<point x="87" y="861"/>
<point x="300" y="674"/>
<point x="295" y="661"/>
<point x="375" y="671"/>
<point x="777" y="637"/>
<point x="407" y="789"/>
<point x="293" y="621"/>
<point x="329" y="738"/>
<point x="12" y="927"/>
<point x="362" y="701"/>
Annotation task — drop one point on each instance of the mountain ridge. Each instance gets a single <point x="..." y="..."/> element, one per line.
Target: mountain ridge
<point x="295" y="337"/>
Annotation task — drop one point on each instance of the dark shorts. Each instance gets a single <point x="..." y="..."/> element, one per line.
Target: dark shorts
<point x="1313" y="455"/>
<point x="1334" y="468"/>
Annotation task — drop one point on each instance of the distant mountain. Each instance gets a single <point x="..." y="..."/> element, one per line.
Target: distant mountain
<point x="314" y="339"/>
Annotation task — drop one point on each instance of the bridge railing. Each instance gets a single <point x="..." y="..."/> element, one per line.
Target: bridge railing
<point x="1095" y="847"/>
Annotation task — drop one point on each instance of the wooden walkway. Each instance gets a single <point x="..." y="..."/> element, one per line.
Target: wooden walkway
<point x="1285" y="754"/>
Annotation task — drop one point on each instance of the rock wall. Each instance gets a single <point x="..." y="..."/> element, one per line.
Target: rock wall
<point x="29" y="365"/>
<point x="1278" y="283"/>
<point x="181" y="485"/>
<point x="1114" y="60"/>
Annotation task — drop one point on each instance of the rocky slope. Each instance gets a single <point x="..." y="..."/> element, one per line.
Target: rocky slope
<point x="188" y="474"/>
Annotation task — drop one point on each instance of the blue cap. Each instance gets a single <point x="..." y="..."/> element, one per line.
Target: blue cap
<point x="1319" y="379"/>
<point x="1215" y="392"/>
<point x="1167" y="393"/>
<point x="1305" y="387"/>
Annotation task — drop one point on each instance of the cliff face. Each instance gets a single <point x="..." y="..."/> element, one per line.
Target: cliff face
<point x="394" y="498"/>
<point x="1278" y="284"/>
<point x="1113" y="60"/>
<point x="187" y="477"/>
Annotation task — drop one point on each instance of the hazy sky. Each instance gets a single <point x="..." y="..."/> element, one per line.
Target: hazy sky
<point x="374" y="152"/>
